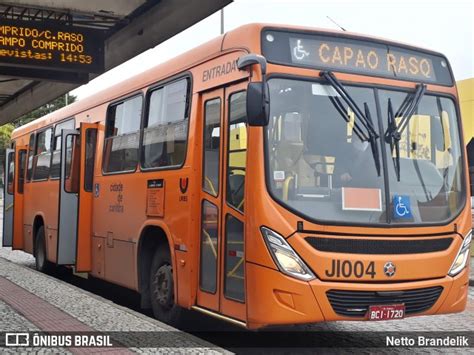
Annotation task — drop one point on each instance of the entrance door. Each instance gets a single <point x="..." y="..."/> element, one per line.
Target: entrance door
<point x="86" y="184"/>
<point x="234" y="175"/>
<point x="68" y="197"/>
<point x="211" y="200"/>
<point x="8" y="197"/>
<point x="75" y="196"/>
<point x="20" y="166"/>
<point x="222" y="261"/>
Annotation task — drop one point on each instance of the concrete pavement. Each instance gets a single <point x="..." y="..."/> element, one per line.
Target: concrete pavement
<point x="32" y="301"/>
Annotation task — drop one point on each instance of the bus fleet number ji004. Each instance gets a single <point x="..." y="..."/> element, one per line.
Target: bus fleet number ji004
<point x="347" y="268"/>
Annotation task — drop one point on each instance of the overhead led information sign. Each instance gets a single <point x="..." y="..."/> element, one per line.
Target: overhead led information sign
<point x="352" y="55"/>
<point x="51" y="46"/>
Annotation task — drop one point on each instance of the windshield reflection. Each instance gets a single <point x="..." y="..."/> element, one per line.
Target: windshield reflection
<point x="322" y="168"/>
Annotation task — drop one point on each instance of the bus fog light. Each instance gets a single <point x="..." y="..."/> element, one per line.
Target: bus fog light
<point x="285" y="257"/>
<point x="462" y="257"/>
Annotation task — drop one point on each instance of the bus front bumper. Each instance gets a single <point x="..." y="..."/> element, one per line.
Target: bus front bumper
<point x="276" y="299"/>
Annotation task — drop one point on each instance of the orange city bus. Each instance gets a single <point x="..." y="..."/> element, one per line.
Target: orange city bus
<point x="274" y="175"/>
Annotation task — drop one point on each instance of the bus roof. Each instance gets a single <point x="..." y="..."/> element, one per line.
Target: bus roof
<point x="245" y="37"/>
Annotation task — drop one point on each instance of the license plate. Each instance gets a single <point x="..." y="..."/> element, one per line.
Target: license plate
<point x="385" y="312"/>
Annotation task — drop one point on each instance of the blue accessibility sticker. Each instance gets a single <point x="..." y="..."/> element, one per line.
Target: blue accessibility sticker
<point x="401" y="207"/>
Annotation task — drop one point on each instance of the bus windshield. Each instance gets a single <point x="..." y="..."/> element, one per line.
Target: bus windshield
<point x="322" y="167"/>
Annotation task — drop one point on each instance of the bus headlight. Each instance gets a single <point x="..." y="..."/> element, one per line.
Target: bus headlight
<point x="285" y="257"/>
<point x="462" y="257"/>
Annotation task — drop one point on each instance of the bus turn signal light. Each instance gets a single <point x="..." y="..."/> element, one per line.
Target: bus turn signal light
<point x="285" y="257"/>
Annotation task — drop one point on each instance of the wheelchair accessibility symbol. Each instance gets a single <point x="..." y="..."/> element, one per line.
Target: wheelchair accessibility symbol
<point x="401" y="207"/>
<point x="299" y="52"/>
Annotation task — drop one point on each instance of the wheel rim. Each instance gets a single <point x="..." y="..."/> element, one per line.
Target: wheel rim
<point x="163" y="286"/>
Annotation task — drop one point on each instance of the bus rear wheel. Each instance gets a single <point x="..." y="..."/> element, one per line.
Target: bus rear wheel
<point x="41" y="262"/>
<point x="162" y="290"/>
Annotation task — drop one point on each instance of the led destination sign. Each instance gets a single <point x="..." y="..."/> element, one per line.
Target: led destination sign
<point x="353" y="55"/>
<point x="51" y="46"/>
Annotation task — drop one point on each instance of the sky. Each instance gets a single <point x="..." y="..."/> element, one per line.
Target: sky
<point x="441" y="25"/>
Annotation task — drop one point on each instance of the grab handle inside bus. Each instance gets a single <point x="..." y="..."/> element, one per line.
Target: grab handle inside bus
<point x="258" y="97"/>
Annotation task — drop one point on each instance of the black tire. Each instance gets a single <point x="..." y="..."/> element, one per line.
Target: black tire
<point x="42" y="264"/>
<point x="162" y="290"/>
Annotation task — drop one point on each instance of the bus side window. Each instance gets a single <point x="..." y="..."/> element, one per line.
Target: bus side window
<point x="237" y="156"/>
<point x="56" y="158"/>
<point x="91" y="140"/>
<point x="166" y="126"/>
<point x="31" y="153"/>
<point x="21" y="170"/>
<point x="73" y="149"/>
<point x="42" y="158"/>
<point x="212" y="122"/>
<point x="11" y="173"/>
<point x="122" y="136"/>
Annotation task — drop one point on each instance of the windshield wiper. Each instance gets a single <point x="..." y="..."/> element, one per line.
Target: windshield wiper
<point x="394" y="131"/>
<point x="370" y="135"/>
<point x="394" y="139"/>
<point x="342" y="111"/>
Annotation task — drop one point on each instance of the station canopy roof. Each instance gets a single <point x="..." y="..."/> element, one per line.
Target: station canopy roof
<point x="126" y="27"/>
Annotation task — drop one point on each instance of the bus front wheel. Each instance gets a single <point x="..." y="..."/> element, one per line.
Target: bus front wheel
<point x="162" y="289"/>
<point x="41" y="262"/>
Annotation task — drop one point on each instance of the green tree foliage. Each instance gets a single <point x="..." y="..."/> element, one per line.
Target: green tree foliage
<point x="5" y="134"/>
<point x="6" y="130"/>
<point x="45" y="109"/>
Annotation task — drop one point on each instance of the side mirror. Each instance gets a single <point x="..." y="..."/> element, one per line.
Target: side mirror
<point x="258" y="104"/>
<point x="258" y="97"/>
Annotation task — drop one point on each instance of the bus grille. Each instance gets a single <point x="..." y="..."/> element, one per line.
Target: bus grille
<point x="356" y="303"/>
<point x="378" y="246"/>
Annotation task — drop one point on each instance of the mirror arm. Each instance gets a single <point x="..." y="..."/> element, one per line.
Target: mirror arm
<point x="244" y="63"/>
<point x="248" y="60"/>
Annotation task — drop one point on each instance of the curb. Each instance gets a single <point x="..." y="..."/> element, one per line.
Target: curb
<point x="165" y="327"/>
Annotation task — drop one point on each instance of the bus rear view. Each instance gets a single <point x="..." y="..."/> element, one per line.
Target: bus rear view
<point x="361" y="213"/>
